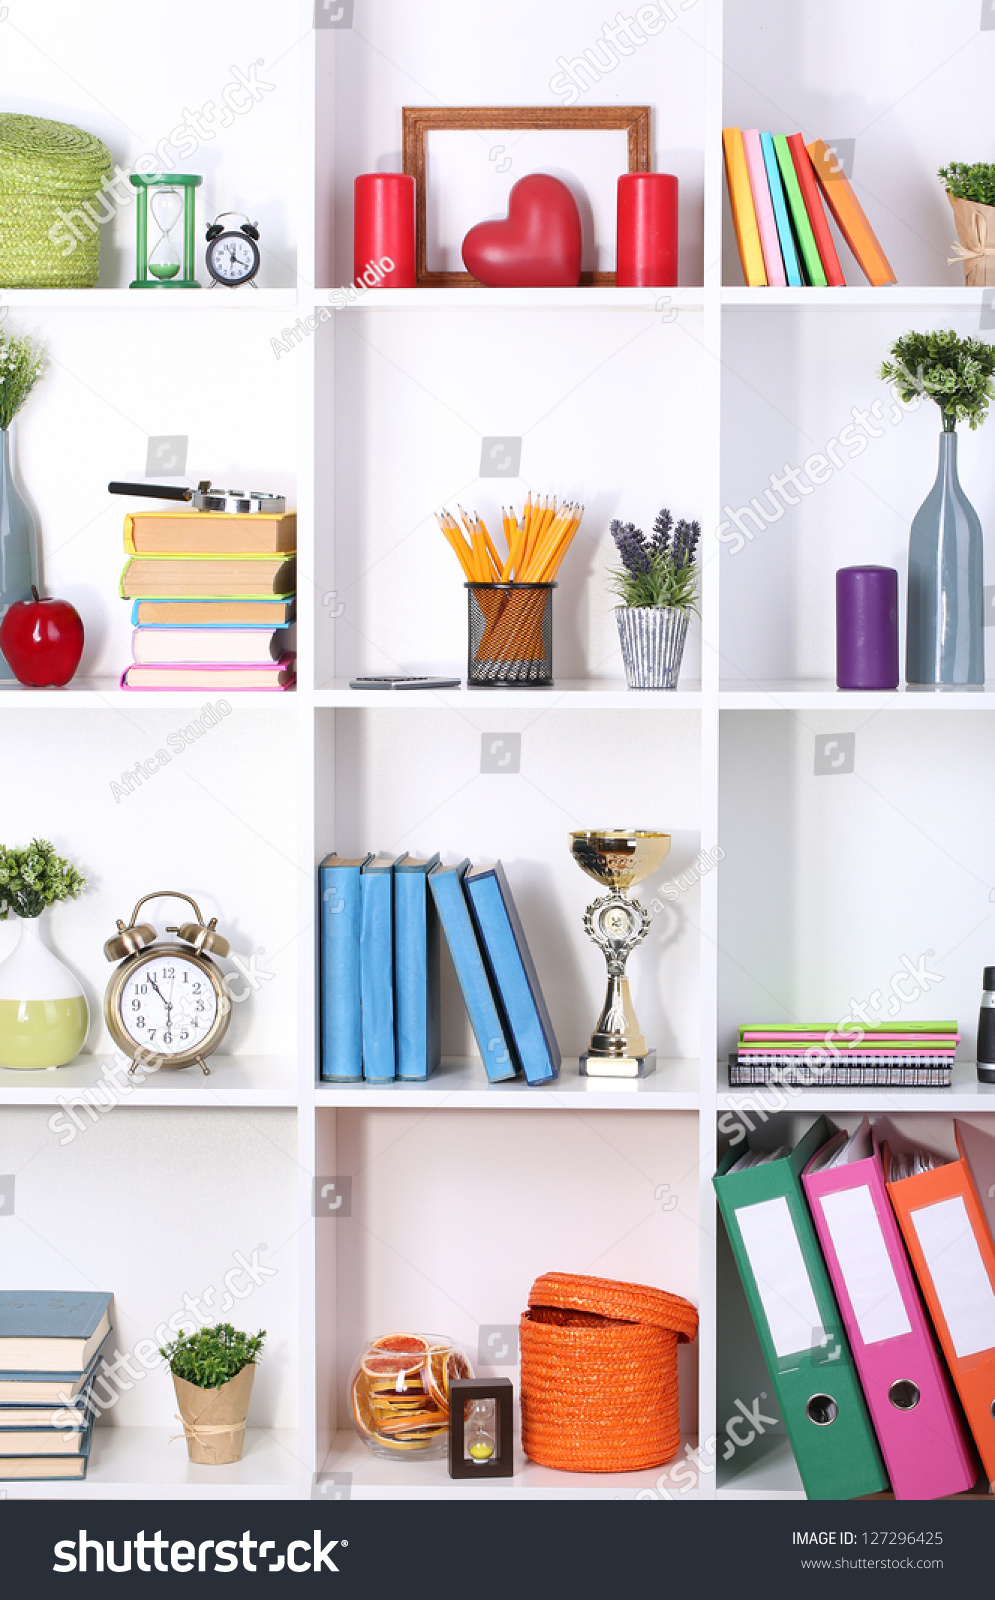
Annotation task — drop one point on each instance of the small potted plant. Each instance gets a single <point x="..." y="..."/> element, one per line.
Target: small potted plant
<point x="970" y="189"/>
<point x="945" y="636"/>
<point x="213" y="1370"/>
<point x="44" y="1017"/>
<point x="657" y="584"/>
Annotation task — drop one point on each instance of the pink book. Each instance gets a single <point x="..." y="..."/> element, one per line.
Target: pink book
<point x="924" y="1440"/>
<point x="760" y="189"/>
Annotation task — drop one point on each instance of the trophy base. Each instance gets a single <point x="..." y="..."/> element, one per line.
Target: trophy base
<point x="592" y="1066"/>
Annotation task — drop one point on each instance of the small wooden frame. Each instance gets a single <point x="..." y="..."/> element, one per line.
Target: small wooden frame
<point x="418" y="121"/>
<point x="500" y="1391"/>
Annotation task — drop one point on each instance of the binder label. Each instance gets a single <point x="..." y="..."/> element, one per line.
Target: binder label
<point x="865" y="1264"/>
<point x="781" y="1276"/>
<point x="959" y="1275"/>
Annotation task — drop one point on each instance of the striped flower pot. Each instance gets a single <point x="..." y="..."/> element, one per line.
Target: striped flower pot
<point x="652" y="640"/>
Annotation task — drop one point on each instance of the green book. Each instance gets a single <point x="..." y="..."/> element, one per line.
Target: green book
<point x="797" y="1319"/>
<point x="811" y="259"/>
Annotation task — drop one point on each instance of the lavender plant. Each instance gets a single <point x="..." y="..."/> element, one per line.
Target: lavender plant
<point x="660" y="570"/>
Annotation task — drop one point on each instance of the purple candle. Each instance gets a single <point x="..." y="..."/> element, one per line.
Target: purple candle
<point x="867" y="628"/>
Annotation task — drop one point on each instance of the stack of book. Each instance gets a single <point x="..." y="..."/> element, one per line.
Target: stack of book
<point x="213" y="596"/>
<point x="881" y="1055"/>
<point x="50" y="1351"/>
<point x="380" y="999"/>
<point x="777" y="185"/>
<point x="870" y="1276"/>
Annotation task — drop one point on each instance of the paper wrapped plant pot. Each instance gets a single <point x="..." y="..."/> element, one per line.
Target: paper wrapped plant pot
<point x="50" y="175"/>
<point x="975" y="247"/>
<point x="214" y="1419"/>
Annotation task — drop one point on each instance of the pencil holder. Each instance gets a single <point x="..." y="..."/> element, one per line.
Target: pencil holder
<point x="511" y="635"/>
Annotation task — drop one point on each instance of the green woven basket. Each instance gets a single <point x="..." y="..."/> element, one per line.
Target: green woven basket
<point x="48" y="167"/>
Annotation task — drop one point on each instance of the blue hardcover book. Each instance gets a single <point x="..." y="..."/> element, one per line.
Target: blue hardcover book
<point x="25" y="1387"/>
<point x="792" y="269"/>
<point x="376" y="890"/>
<point x="512" y="970"/>
<point x="22" y="1440"/>
<point x="489" y="1028"/>
<point x="416" y="969"/>
<point x="45" y="1332"/>
<point x="339" y="921"/>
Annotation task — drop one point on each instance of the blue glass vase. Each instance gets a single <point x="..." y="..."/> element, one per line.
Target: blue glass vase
<point x="945" y="639"/>
<point x="18" y="545"/>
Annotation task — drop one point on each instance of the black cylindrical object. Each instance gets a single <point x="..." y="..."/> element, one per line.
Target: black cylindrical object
<point x="986" y="1029"/>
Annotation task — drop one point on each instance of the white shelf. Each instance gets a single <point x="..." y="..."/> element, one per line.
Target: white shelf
<point x="142" y="1464"/>
<point x="821" y="694"/>
<point x="892" y="297"/>
<point x="227" y="300"/>
<point x="593" y="298"/>
<point x="591" y="694"/>
<point x="232" y="1081"/>
<point x="965" y="1094"/>
<point x="90" y="694"/>
<point x="375" y="1479"/>
<point x="462" y="1083"/>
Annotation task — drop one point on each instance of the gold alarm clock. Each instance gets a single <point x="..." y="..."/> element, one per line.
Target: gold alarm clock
<point x="167" y="1004"/>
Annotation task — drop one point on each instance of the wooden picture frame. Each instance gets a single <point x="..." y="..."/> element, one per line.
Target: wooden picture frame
<point x="419" y="121"/>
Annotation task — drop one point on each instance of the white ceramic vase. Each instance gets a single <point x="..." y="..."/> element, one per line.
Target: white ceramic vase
<point x="44" y="1016"/>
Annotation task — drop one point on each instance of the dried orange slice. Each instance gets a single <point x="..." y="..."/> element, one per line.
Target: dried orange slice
<point x="362" y="1413"/>
<point x="401" y="1343"/>
<point x="387" y="1367"/>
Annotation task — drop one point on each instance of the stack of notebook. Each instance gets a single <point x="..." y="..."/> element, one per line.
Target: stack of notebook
<point x="380" y="999"/>
<point x="213" y="596"/>
<point x="777" y="186"/>
<point x="50" y="1351"/>
<point x="870" y="1277"/>
<point x="881" y="1055"/>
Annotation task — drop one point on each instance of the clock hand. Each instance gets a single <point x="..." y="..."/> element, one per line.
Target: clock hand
<point x="159" y="992"/>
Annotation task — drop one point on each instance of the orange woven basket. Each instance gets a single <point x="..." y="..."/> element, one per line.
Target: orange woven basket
<point x="599" y="1373"/>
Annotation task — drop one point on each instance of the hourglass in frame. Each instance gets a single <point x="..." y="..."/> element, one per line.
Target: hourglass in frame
<point x="165" y="209"/>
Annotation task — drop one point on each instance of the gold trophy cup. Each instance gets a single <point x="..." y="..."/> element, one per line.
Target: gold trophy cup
<point x="617" y="859"/>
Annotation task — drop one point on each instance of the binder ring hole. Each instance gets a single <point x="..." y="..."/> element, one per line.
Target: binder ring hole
<point x="904" y="1395"/>
<point x="821" y="1410"/>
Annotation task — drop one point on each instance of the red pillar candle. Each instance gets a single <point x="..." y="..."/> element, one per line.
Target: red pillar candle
<point x="646" y="241"/>
<point x="384" y="230"/>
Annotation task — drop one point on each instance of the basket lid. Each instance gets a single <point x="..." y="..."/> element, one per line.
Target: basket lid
<point x="623" y="1302"/>
<point x="38" y="156"/>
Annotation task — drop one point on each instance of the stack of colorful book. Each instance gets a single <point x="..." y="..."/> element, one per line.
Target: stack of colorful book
<point x="50" y="1351"/>
<point x="880" y="1055"/>
<point x="869" y="1269"/>
<point x="777" y="185"/>
<point x="380" y="997"/>
<point x="213" y="599"/>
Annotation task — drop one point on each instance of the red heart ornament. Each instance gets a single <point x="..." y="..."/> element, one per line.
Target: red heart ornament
<point x="538" y="244"/>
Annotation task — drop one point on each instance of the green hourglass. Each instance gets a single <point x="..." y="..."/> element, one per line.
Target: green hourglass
<point x="165" y="199"/>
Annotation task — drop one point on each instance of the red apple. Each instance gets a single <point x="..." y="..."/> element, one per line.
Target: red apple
<point x="42" y="641"/>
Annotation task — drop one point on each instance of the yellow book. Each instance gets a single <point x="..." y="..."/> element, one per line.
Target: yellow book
<point x="220" y="533"/>
<point x="744" y="216"/>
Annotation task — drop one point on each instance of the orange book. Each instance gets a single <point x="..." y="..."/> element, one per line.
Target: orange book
<point x="848" y="214"/>
<point x="948" y="1239"/>
<point x="744" y="216"/>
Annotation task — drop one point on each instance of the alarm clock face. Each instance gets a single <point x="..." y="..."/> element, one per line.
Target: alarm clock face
<point x="232" y="259"/>
<point x="171" y="1005"/>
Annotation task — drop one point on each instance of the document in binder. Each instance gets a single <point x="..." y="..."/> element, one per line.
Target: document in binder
<point x="926" y="1447"/>
<point x="944" y="1226"/>
<point x="800" y="1329"/>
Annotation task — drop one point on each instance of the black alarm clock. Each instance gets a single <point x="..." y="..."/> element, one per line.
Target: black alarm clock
<point x="232" y="256"/>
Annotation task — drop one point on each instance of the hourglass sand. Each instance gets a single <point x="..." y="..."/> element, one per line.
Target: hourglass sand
<point x="166" y="206"/>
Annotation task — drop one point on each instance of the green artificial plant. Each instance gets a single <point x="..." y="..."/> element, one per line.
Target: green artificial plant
<point x="956" y="373"/>
<point x="970" y="181"/>
<point x="20" y="369"/>
<point x="212" y="1356"/>
<point x="35" y="877"/>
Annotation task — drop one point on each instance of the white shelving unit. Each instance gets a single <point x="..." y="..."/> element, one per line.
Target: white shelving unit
<point x="370" y="418"/>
